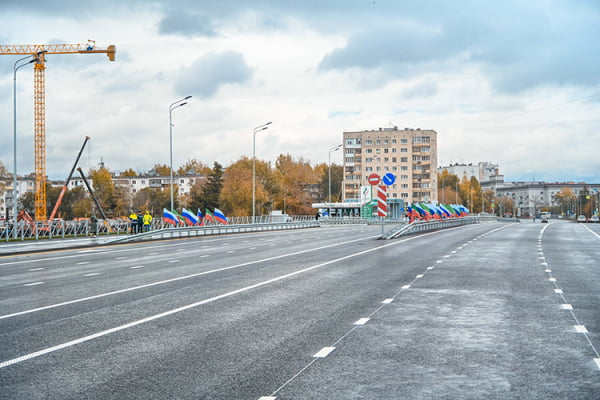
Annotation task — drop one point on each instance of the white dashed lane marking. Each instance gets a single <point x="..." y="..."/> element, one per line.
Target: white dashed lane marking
<point x="324" y="352"/>
<point x="34" y="284"/>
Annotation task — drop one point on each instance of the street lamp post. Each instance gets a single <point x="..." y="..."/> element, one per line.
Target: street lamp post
<point x="33" y="58"/>
<point x="256" y="130"/>
<point x="177" y="104"/>
<point x="331" y="150"/>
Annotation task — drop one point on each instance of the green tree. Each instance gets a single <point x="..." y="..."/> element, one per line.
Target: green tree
<point x="208" y="195"/>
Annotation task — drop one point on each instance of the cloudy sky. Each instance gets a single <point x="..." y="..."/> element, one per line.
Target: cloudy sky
<point x="515" y="83"/>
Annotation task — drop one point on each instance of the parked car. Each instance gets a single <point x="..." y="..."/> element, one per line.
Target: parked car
<point x="581" y="218"/>
<point x="595" y="218"/>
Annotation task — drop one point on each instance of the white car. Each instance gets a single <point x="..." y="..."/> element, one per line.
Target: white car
<point x="581" y="218"/>
<point x="595" y="218"/>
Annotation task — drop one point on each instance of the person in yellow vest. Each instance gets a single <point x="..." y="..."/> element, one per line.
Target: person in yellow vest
<point x="147" y="221"/>
<point x="133" y="218"/>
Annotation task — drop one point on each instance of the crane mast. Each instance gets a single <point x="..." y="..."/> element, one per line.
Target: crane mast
<point x="39" y="83"/>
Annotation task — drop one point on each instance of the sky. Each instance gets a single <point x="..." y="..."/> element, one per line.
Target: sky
<point x="514" y="83"/>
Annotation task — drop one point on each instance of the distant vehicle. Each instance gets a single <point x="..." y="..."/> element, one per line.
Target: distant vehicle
<point x="581" y="218"/>
<point x="595" y="218"/>
<point x="544" y="219"/>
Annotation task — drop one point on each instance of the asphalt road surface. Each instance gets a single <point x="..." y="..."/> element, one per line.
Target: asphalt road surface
<point x="494" y="311"/>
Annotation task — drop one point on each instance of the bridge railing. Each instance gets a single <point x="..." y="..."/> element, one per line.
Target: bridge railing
<point x="193" y="231"/>
<point x="428" y="226"/>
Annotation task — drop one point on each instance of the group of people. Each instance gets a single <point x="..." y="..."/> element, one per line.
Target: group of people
<point x="140" y="223"/>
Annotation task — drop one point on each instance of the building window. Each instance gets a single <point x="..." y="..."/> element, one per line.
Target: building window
<point x="368" y="141"/>
<point x="369" y="151"/>
<point x="394" y="150"/>
<point x="385" y="141"/>
<point x="404" y="150"/>
<point x="394" y="159"/>
<point x="404" y="141"/>
<point x="393" y="141"/>
<point x="386" y="150"/>
<point x="403" y="159"/>
<point x="378" y="141"/>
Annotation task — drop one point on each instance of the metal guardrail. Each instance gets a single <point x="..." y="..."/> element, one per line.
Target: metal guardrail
<point x="424" y="226"/>
<point x="193" y="231"/>
<point x="61" y="229"/>
<point x="359" y="221"/>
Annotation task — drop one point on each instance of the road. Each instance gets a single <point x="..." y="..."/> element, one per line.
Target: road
<point x="496" y="311"/>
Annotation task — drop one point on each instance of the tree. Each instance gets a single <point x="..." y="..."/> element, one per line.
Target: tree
<point x="236" y="194"/>
<point x="112" y="199"/>
<point x="3" y="176"/>
<point x="160" y="170"/>
<point x="566" y="199"/>
<point x="208" y="195"/>
<point x="337" y="175"/>
<point x="75" y="204"/>
<point x="194" y="167"/>
<point x="151" y="199"/>
<point x="297" y="177"/>
<point x="129" y="172"/>
<point x="448" y="188"/>
<point x="504" y="205"/>
<point x="26" y="202"/>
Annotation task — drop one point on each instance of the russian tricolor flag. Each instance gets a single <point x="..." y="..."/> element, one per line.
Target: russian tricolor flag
<point x="219" y="216"/>
<point x="169" y="217"/>
<point x="189" y="216"/>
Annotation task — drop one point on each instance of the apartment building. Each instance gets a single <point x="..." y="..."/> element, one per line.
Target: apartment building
<point x="409" y="154"/>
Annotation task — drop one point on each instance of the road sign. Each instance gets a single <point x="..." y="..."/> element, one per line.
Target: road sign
<point x="381" y="201"/>
<point x="389" y="179"/>
<point x="373" y="179"/>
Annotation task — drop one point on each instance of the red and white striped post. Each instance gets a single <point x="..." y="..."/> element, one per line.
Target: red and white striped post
<point x="381" y="205"/>
<point x="381" y="201"/>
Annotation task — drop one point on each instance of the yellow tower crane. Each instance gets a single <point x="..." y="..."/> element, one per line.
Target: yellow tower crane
<point x="41" y="50"/>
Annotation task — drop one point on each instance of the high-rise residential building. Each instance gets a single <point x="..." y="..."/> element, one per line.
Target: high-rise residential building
<point x="409" y="154"/>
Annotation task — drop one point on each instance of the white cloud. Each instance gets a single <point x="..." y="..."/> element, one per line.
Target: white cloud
<point x="476" y="72"/>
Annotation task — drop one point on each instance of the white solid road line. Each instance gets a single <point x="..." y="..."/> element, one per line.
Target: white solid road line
<point x="199" y="303"/>
<point x="171" y="280"/>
